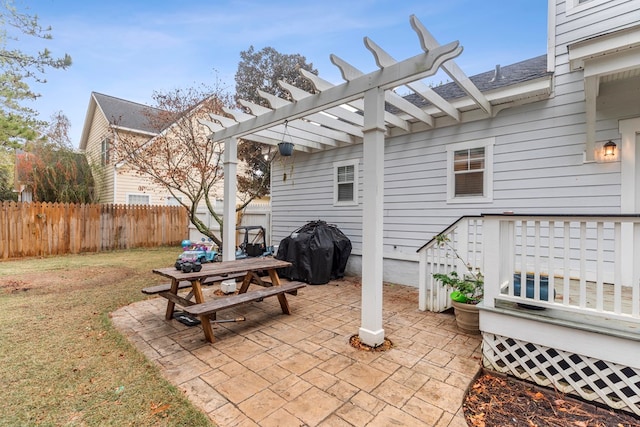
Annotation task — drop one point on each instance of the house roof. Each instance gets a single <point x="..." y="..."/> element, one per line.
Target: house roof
<point x="121" y="113"/>
<point x="500" y="77"/>
<point x="128" y="114"/>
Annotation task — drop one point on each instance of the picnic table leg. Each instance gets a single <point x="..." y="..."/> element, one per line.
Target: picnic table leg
<point x="245" y="283"/>
<point x="282" y="299"/>
<point x="204" y="319"/>
<point x="284" y="304"/>
<point x="275" y="279"/>
<point x="170" y="304"/>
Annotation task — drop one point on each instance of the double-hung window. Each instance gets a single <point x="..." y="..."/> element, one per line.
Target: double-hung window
<point x="173" y="201"/>
<point x="345" y="183"/>
<point x="105" y="151"/>
<point x="138" y="199"/>
<point x="470" y="171"/>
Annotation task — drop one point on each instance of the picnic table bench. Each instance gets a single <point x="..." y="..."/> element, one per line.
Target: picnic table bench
<point x="252" y="270"/>
<point x="209" y="308"/>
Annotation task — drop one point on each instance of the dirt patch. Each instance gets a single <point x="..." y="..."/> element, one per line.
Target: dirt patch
<point x="219" y="293"/>
<point x="13" y="286"/>
<point x="62" y="281"/>
<point x="503" y="401"/>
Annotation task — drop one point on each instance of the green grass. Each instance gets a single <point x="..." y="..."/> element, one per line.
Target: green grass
<point x="61" y="360"/>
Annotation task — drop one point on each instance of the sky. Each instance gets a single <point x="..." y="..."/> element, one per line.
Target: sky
<point x="133" y="48"/>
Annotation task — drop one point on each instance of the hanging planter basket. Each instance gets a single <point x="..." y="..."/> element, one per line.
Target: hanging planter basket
<point x="285" y="148"/>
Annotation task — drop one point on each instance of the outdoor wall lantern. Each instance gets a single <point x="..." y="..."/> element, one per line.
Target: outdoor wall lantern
<point x="285" y="148"/>
<point x="609" y="150"/>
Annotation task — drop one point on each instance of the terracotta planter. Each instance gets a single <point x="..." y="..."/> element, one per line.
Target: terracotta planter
<point x="467" y="317"/>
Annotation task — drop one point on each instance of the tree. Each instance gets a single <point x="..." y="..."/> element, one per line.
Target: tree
<point x="18" y="122"/>
<point x="6" y="175"/>
<point x="52" y="169"/>
<point x="262" y="70"/>
<point x="181" y="158"/>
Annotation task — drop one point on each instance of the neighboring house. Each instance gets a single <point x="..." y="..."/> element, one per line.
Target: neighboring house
<point x="114" y="182"/>
<point x="107" y="117"/>
<point x="557" y="134"/>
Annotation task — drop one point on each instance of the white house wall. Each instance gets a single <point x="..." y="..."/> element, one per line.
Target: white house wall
<point x="538" y="167"/>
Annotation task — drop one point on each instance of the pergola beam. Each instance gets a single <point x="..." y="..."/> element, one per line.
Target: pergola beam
<point x="349" y="73"/>
<point x="420" y="66"/>
<point x="383" y="59"/>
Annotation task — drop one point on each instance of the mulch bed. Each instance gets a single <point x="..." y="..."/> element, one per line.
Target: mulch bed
<point x="503" y="401"/>
<point x="355" y="342"/>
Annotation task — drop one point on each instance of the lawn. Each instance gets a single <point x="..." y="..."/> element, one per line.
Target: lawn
<point x="61" y="360"/>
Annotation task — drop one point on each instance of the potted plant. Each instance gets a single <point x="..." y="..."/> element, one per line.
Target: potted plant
<point x="467" y="291"/>
<point x="285" y="148"/>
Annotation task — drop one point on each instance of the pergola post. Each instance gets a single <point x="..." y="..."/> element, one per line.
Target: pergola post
<point x="371" y="332"/>
<point x="230" y="161"/>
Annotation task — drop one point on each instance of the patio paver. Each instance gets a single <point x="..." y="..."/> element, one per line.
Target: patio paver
<point x="274" y="369"/>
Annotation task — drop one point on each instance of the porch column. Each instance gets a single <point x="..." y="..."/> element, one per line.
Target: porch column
<point x="371" y="331"/>
<point x="230" y="187"/>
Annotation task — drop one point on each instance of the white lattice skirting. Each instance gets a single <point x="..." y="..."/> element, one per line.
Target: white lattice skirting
<point x="591" y="379"/>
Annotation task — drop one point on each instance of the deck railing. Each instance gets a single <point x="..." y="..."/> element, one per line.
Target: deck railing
<point x="586" y="264"/>
<point x="465" y="236"/>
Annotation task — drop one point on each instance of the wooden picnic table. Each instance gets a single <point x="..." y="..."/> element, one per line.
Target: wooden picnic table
<point x="252" y="270"/>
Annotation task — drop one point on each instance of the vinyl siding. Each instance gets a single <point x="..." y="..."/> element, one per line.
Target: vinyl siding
<point x="102" y="174"/>
<point x="128" y="182"/>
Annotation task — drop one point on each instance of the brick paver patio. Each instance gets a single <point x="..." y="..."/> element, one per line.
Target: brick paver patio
<point x="299" y="370"/>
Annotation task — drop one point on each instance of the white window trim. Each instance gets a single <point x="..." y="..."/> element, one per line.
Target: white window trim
<point x="487" y="144"/>
<point x="574" y="6"/>
<point x="128" y="195"/>
<point x="336" y="165"/>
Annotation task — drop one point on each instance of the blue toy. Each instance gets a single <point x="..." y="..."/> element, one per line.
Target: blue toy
<point x="194" y="255"/>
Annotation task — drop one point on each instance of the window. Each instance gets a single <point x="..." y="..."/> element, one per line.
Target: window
<point x="345" y="188"/>
<point x="470" y="171"/>
<point x="138" y="199"/>
<point x="173" y="201"/>
<point x="105" y="151"/>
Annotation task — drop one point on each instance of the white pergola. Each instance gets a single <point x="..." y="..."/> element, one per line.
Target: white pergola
<point x="352" y="113"/>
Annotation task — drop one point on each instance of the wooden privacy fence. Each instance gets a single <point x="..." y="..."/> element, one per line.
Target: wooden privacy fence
<point x="39" y="229"/>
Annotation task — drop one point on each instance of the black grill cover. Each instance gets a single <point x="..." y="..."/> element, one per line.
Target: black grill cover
<point x="318" y="252"/>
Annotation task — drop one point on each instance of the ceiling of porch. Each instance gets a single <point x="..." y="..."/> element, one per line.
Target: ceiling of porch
<point x="334" y="116"/>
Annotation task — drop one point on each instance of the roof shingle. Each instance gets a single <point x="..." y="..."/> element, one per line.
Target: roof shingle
<point x="127" y="114"/>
